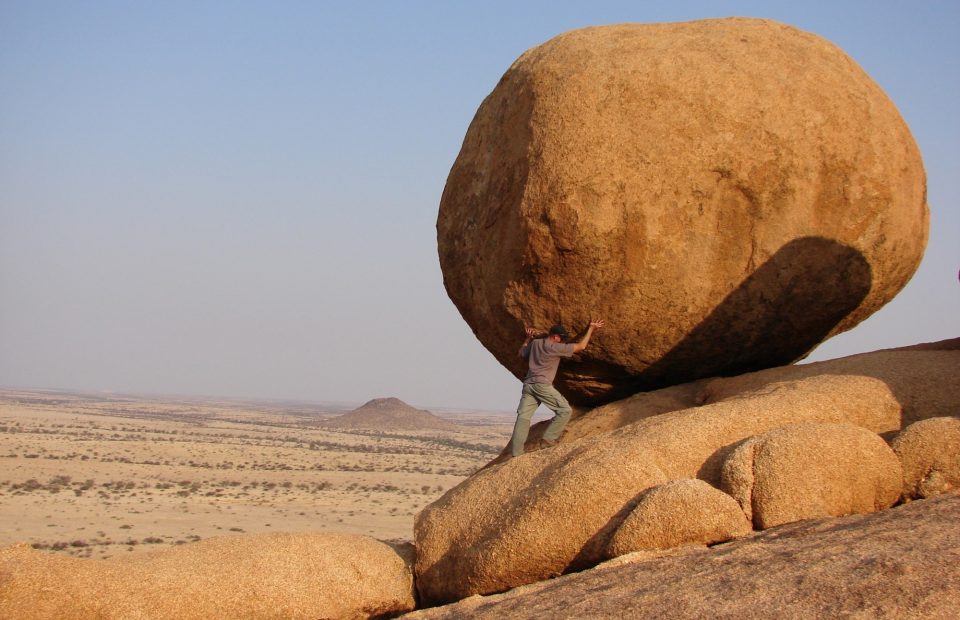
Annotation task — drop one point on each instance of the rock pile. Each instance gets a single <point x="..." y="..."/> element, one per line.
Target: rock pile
<point x="727" y="193"/>
<point x="899" y="563"/>
<point x="793" y="443"/>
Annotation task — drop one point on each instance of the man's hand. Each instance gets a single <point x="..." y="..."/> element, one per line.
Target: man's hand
<point x="530" y="332"/>
<point x="582" y="344"/>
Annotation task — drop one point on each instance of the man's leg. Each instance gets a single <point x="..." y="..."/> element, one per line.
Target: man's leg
<point x="528" y="404"/>
<point x="549" y="396"/>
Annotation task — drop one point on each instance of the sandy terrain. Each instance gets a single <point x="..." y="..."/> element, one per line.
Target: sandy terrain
<point x="96" y="475"/>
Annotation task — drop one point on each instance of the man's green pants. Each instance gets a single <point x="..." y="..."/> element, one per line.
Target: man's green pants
<point x="533" y="395"/>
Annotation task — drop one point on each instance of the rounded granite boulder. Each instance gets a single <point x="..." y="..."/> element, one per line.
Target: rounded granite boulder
<point x="680" y="512"/>
<point x="929" y="451"/>
<point x="290" y="575"/>
<point x="725" y="193"/>
<point x="810" y="470"/>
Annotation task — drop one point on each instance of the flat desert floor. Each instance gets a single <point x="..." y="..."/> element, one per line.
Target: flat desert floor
<point x="102" y="475"/>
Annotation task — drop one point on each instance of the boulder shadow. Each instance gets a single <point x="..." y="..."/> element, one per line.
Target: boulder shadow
<point x="775" y="317"/>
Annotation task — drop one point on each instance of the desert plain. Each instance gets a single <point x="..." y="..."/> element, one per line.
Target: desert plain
<point x="100" y="475"/>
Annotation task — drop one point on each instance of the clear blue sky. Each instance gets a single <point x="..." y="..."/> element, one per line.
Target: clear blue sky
<point x="238" y="198"/>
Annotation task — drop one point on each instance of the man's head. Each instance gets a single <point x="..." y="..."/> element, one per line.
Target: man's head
<point x="558" y="333"/>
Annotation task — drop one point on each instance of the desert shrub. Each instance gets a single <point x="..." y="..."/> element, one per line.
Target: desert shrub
<point x="30" y="485"/>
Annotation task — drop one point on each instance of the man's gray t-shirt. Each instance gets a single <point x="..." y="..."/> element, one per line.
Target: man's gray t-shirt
<point x="544" y="358"/>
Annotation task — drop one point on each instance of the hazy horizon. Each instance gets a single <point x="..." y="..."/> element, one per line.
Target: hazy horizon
<point x="329" y="406"/>
<point x="239" y="200"/>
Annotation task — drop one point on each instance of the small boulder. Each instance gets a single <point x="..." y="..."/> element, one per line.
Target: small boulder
<point x="929" y="451"/>
<point x="680" y="512"/>
<point x="531" y="518"/>
<point x="256" y="576"/>
<point x="803" y="471"/>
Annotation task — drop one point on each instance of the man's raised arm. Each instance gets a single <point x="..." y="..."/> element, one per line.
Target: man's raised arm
<point x="582" y="344"/>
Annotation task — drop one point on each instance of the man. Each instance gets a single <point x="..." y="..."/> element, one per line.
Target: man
<point x="543" y="357"/>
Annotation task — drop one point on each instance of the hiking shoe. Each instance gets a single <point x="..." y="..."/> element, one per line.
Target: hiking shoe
<point x="546" y="443"/>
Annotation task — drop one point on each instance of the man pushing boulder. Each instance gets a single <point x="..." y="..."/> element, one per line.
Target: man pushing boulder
<point x="543" y="356"/>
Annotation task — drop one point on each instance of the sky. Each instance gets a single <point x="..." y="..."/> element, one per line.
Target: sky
<point x="240" y="198"/>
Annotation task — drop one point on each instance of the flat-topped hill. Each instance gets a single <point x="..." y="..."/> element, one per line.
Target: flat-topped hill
<point x="390" y="414"/>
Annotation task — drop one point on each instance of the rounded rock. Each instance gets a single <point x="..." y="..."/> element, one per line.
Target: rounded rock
<point x="929" y="451"/>
<point x="810" y="470"/>
<point x="288" y="575"/>
<point x="725" y="193"/>
<point x="680" y="512"/>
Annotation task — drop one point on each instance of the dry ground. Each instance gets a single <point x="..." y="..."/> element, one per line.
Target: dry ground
<point x="96" y="475"/>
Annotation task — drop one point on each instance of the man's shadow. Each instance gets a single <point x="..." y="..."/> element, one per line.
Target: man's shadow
<point x="774" y="317"/>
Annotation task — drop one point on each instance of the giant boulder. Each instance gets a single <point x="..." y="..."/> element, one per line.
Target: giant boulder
<point x="726" y="193"/>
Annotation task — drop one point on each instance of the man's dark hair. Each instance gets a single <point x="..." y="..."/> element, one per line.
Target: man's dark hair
<point x="559" y="330"/>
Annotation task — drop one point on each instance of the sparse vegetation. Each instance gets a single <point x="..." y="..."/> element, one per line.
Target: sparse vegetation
<point x="170" y="471"/>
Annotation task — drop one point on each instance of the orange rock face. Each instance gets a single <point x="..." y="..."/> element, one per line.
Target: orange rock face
<point x="725" y="193"/>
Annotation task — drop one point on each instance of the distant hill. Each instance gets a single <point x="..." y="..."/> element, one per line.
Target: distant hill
<point x="387" y="414"/>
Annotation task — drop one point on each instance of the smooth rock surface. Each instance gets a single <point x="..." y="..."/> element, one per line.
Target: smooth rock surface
<point x="726" y="193"/>
<point x="554" y="510"/>
<point x="531" y="518"/>
<point x="680" y="512"/>
<point x="252" y="576"/>
<point x="929" y="451"/>
<point x="805" y="471"/>
<point x="898" y="563"/>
